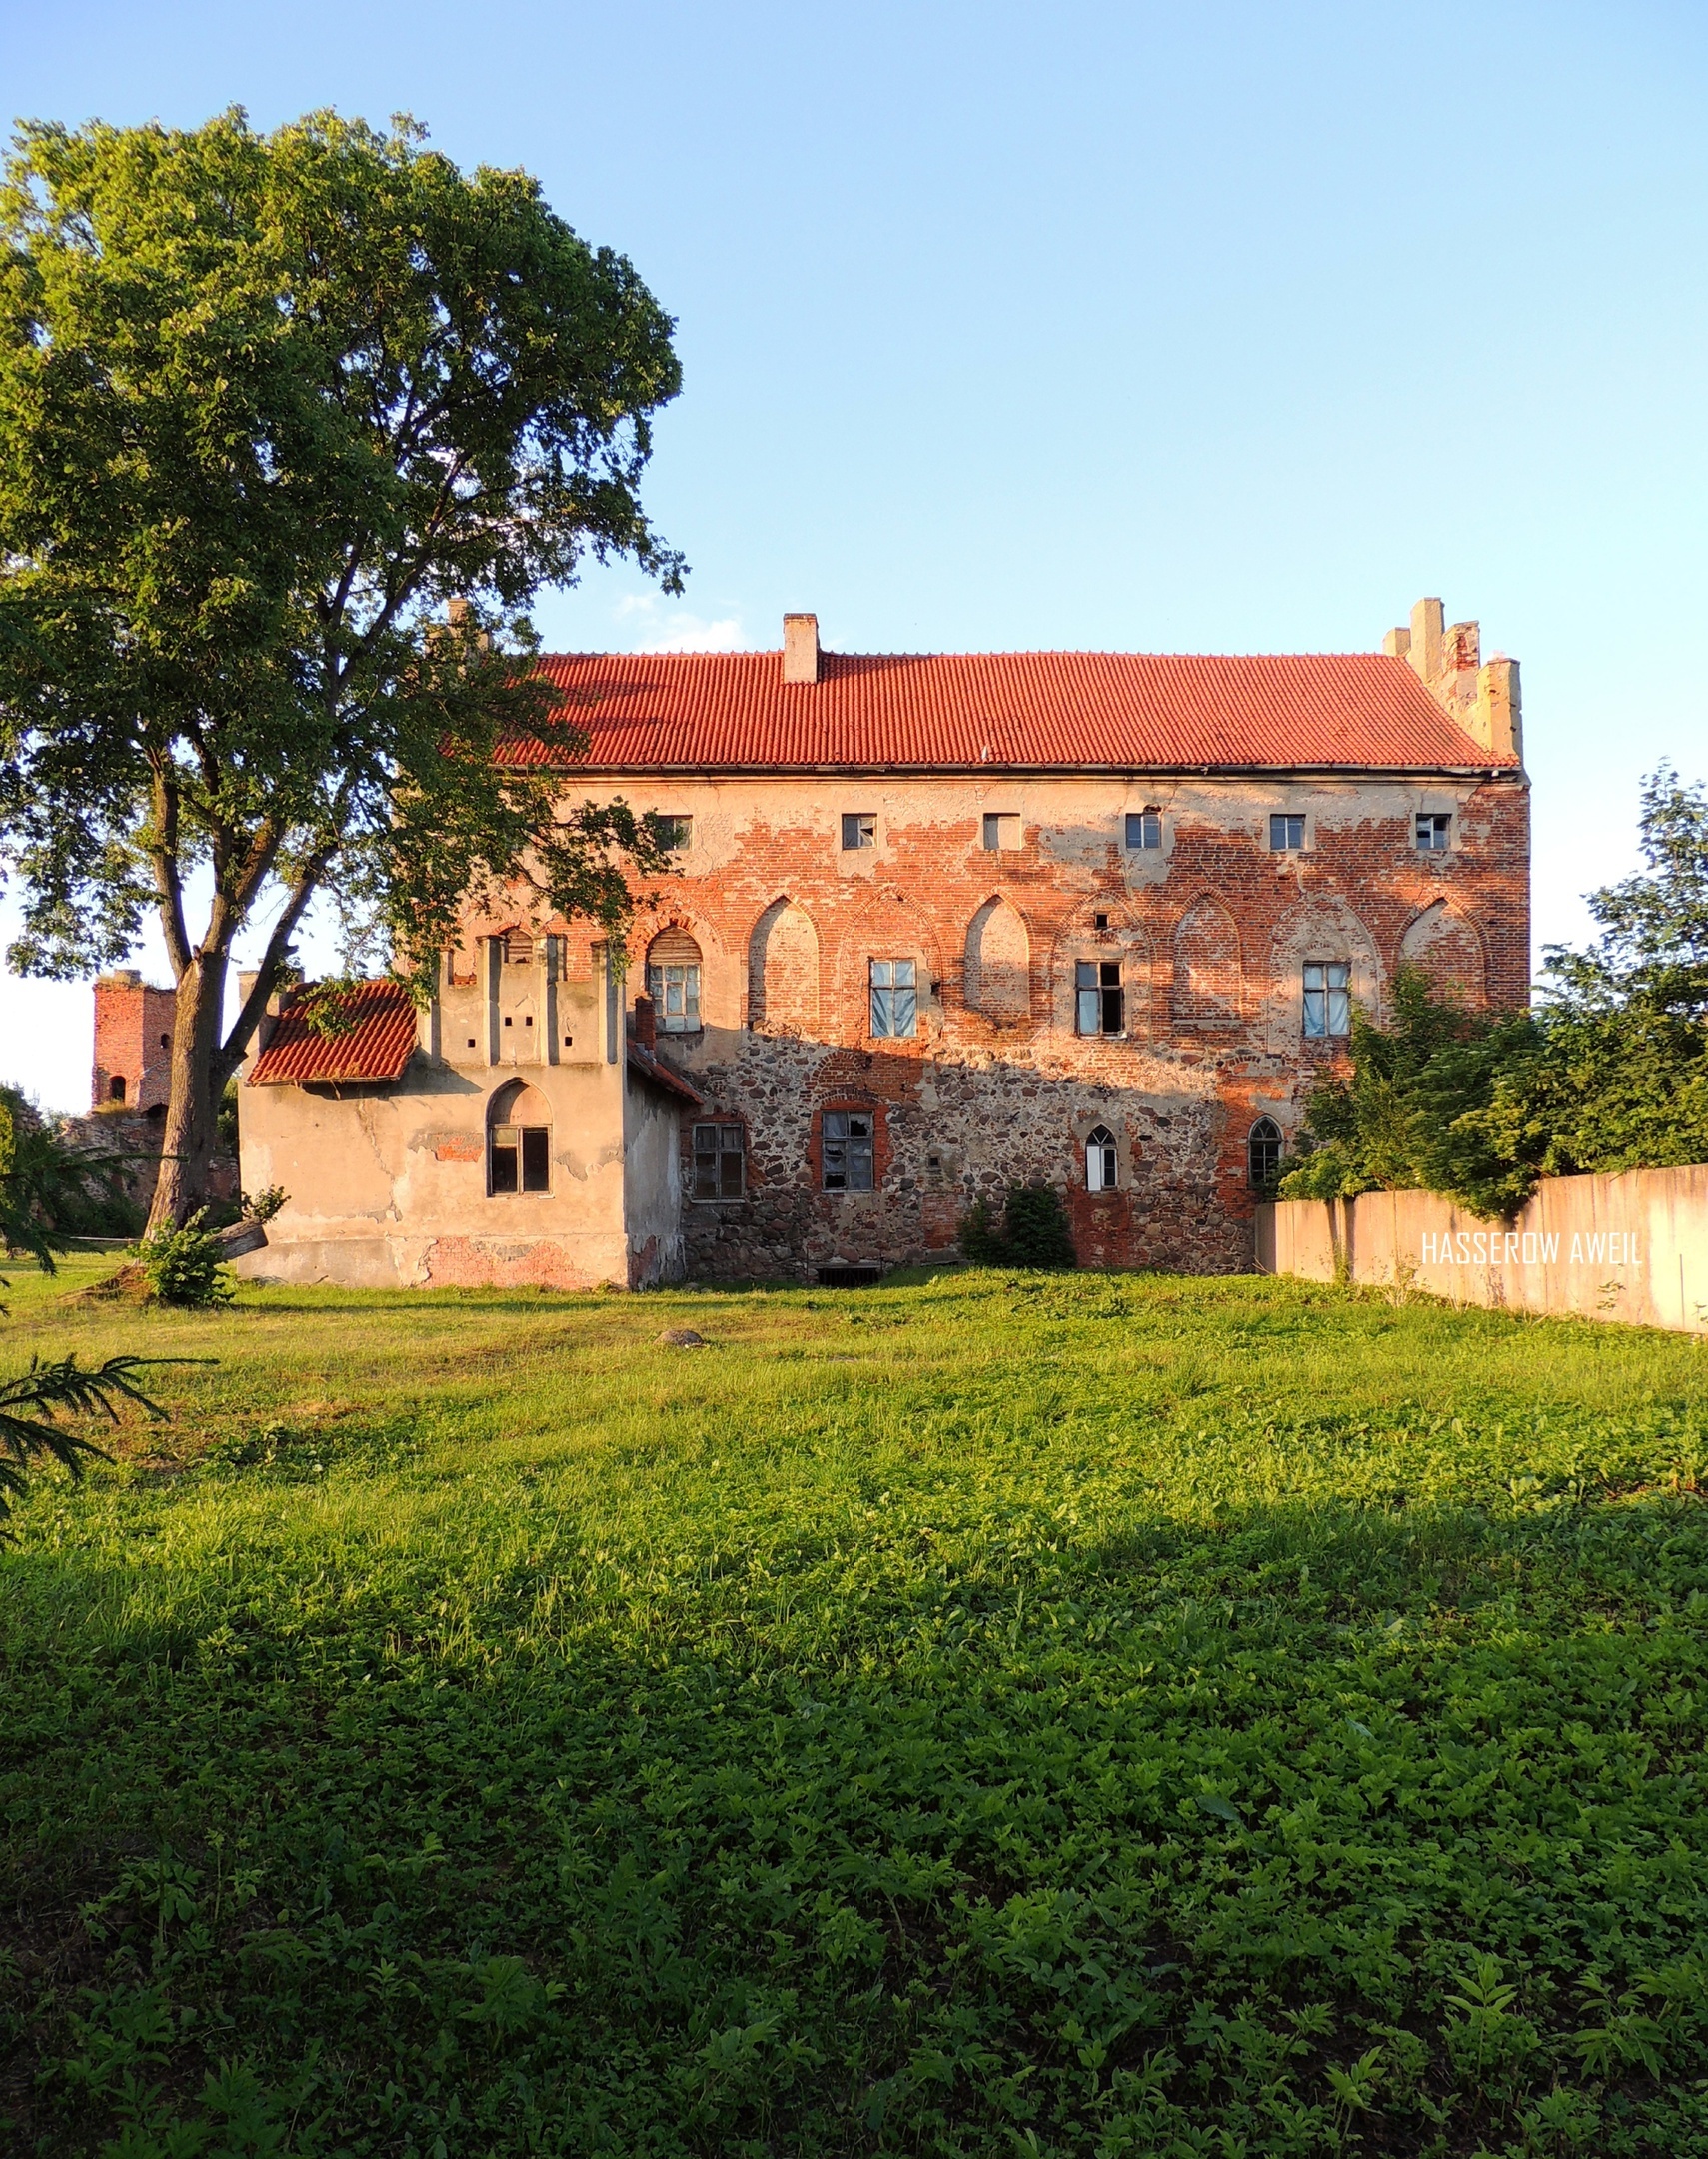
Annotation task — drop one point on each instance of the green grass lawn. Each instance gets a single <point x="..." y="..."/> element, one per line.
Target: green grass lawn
<point x="989" y="1714"/>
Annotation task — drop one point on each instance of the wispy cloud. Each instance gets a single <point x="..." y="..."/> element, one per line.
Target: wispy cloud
<point x="660" y="629"/>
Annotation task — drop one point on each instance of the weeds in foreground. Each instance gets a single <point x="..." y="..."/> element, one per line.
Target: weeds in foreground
<point x="1013" y="1714"/>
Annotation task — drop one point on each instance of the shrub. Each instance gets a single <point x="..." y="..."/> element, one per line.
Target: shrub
<point x="1034" y="1230"/>
<point x="183" y="1267"/>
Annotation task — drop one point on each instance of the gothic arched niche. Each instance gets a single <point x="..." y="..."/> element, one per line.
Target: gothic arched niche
<point x="1322" y="932"/>
<point x="1447" y="952"/>
<point x="1206" y="964"/>
<point x="999" y="962"/>
<point x="783" y="972"/>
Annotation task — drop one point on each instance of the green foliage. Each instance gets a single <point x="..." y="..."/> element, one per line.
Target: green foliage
<point x="1611" y="1073"/>
<point x="185" y="1267"/>
<point x="1403" y="1119"/>
<point x="1034" y="1230"/>
<point x="1075" y="1714"/>
<point x="51" y="1191"/>
<point x="30" y="1403"/>
<point x="271" y="405"/>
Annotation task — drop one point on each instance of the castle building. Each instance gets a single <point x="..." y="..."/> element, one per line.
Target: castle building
<point x="938" y="924"/>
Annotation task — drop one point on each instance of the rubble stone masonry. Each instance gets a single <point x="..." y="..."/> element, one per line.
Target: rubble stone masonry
<point x="997" y="886"/>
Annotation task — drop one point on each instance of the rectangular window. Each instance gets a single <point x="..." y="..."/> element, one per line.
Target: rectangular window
<point x="535" y="1158"/>
<point x="500" y="1156"/>
<point x="1327" y="998"/>
<point x="1099" y="1000"/>
<point x="894" y="998"/>
<point x="860" y="828"/>
<point x="674" y="992"/>
<point x="1001" y="828"/>
<point x="674" y="832"/>
<point x="1286" y="830"/>
<point x="845" y="1149"/>
<point x="1143" y="829"/>
<point x="1434" y="829"/>
<point x="718" y="1161"/>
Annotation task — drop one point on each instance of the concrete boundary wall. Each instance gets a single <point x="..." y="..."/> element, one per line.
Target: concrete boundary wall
<point x="1632" y="1249"/>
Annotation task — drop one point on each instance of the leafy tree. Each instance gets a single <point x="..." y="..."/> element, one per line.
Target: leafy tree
<point x="272" y="409"/>
<point x="1609" y="1075"/>
<point x="1397" y="1121"/>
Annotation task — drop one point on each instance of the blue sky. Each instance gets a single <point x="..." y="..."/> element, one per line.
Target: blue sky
<point x="1216" y="328"/>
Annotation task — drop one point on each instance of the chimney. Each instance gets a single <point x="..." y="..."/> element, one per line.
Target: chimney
<point x="800" y="648"/>
<point x="1497" y="716"/>
<point x="645" y="1023"/>
<point x="1423" y="648"/>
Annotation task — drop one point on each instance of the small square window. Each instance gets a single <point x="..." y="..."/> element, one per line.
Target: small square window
<point x="1099" y="1000"/>
<point x="895" y="997"/>
<point x="1435" y="830"/>
<point x="859" y="829"/>
<point x="1143" y="829"/>
<point x="674" y="832"/>
<point x="717" y="1162"/>
<point x="1001" y="828"/>
<point x="845" y="1151"/>
<point x="1286" y="830"/>
<point x="1327" y="998"/>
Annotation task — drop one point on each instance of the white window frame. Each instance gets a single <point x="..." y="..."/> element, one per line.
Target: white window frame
<point x="1144" y="830"/>
<point x="1439" y="837"/>
<point x="675" y="990"/>
<point x="1102" y="1160"/>
<point x="1288" y="819"/>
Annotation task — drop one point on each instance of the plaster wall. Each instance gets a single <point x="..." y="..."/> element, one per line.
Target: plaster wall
<point x="1631" y="1249"/>
<point x="388" y="1186"/>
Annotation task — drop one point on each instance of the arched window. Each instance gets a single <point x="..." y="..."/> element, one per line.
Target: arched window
<point x="116" y="1087"/>
<point x="1102" y="1164"/>
<point x="673" y="982"/>
<point x="1263" y="1154"/>
<point x="518" y="1141"/>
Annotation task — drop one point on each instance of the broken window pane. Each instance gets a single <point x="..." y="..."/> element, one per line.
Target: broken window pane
<point x="860" y="828"/>
<point x="845" y="1151"/>
<point x="1435" y="830"/>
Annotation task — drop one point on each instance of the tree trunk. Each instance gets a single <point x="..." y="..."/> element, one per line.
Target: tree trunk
<point x="192" y="1108"/>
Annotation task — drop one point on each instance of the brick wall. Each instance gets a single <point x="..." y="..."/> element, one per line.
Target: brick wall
<point x="1210" y="932"/>
<point x="132" y="1043"/>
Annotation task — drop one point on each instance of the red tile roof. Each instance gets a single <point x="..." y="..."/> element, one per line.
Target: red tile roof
<point x="732" y="712"/>
<point x="375" y="1048"/>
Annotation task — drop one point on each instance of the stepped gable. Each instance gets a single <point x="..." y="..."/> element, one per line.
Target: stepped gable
<point x="1118" y="711"/>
